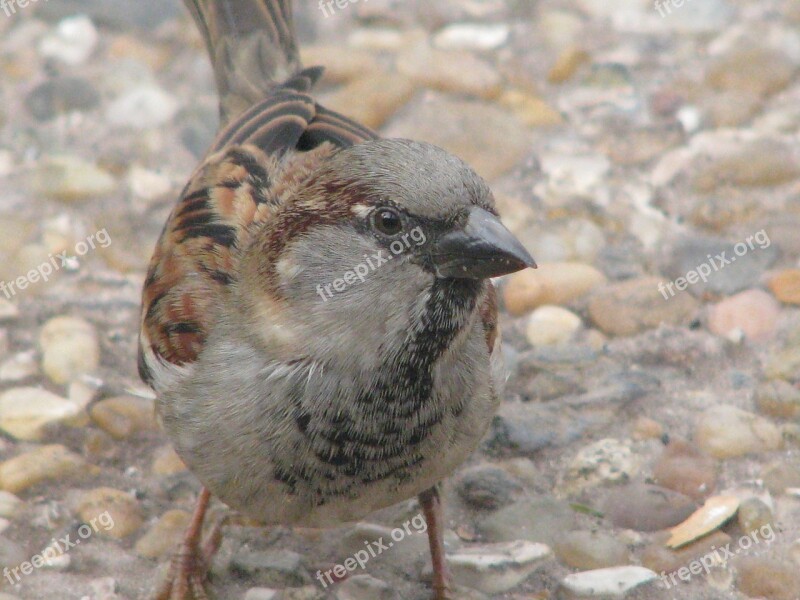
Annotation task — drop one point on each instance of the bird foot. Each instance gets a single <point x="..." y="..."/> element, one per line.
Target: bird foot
<point x="187" y="575"/>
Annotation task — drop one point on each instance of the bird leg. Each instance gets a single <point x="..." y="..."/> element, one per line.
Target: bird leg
<point x="189" y="568"/>
<point x="431" y="503"/>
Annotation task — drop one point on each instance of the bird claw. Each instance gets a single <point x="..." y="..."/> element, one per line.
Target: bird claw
<point x="186" y="576"/>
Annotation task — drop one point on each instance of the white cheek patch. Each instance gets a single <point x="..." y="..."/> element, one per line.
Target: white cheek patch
<point x="288" y="269"/>
<point x="361" y="210"/>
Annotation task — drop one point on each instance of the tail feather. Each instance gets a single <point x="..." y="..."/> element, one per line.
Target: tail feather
<point x="252" y="46"/>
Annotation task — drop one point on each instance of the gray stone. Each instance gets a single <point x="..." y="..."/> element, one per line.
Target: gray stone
<point x="271" y="568"/>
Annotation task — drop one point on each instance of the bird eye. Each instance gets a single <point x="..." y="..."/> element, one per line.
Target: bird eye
<point x="387" y="221"/>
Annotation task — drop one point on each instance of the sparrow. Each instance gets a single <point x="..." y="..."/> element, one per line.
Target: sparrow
<point x="318" y="318"/>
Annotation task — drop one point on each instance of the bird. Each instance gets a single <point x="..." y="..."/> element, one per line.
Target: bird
<point x="319" y="323"/>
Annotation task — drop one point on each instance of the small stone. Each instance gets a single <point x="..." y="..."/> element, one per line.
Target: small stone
<point x="778" y="398"/>
<point x="487" y="487"/>
<point x="167" y="462"/>
<point x="61" y="95"/>
<point x="644" y="307"/>
<point x="551" y="325"/>
<point x="783" y="364"/>
<point x="645" y="507"/>
<point x="9" y="505"/>
<point x="682" y="467"/>
<point x="279" y="568"/>
<point x="148" y="185"/>
<point x="780" y="476"/>
<point x="22" y="365"/>
<point x="567" y="64"/>
<point x="607" y="460"/>
<point x="532" y="110"/>
<point x="496" y="568"/>
<point x="486" y="136"/>
<point x="759" y="163"/>
<point x="554" y="283"/>
<point x="124" y="416"/>
<point x="754" y="514"/>
<point x="104" y="588"/>
<point x="70" y="348"/>
<point x="752" y="68"/>
<point x="143" y="108"/>
<point x="586" y="550"/>
<point x="46" y="463"/>
<point x="786" y="286"/>
<point x="645" y="428"/>
<point x="364" y="587"/>
<point x="613" y="582"/>
<point x="71" y="179"/>
<point x="456" y="72"/>
<point x="725" y="431"/>
<point x="118" y="512"/>
<point x="542" y="519"/>
<point x="472" y="36"/>
<point x="716" y="511"/>
<point x="753" y="312"/>
<point x="372" y="101"/>
<point x="763" y="577"/>
<point x="26" y="413"/>
<point x="8" y="310"/>
<point x="72" y="42"/>
<point x="262" y="594"/>
<point x="164" y="535"/>
<point x="342" y="64"/>
<point x="660" y="558"/>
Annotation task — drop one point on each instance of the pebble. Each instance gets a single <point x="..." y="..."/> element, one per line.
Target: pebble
<point x="497" y="568"/>
<point x="10" y="505"/>
<point x="104" y="504"/>
<point x="364" y="587"/>
<point x="273" y="568"/>
<point x="71" y="179"/>
<point x="754" y="313"/>
<point x="644" y="307"/>
<point x="487" y="137"/>
<point x="553" y="283"/>
<point x="20" y="366"/>
<point x="341" y="64"/>
<point x="607" y="460"/>
<point x="778" y="398"/>
<point x="763" y="577"/>
<point x="584" y="550"/>
<point x="551" y="325"/>
<point x="783" y="363"/>
<point x="541" y="519"/>
<point x="372" y="101"/>
<point x="148" y="185"/>
<point x="571" y="240"/>
<point x="777" y="477"/>
<point x="164" y="535"/>
<point x="104" y="588"/>
<point x="167" y="462"/>
<point x="754" y="514"/>
<point x="486" y="487"/>
<point x="72" y="42"/>
<point x="123" y="417"/>
<point x="645" y="428"/>
<point x="751" y="68"/>
<point x="61" y="95"/>
<point x="46" y="463"/>
<point x="725" y="431"/>
<point x="26" y="413"/>
<point x="646" y="507"/>
<point x="683" y="468"/>
<point x="120" y="14"/>
<point x="70" y="348"/>
<point x="457" y="72"/>
<point x="143" y="107"/>
<point x="567" y="64"/>
<point x="688" y="254"/>
<point x="613" y="582"/>
<point x="472" y="36"/>
<point x="658" y="557"/>
<point x="786" y="286"/>
<point x="262" y="594"/>
<point x="8" y="310"/>
<point x="532" y="110"/>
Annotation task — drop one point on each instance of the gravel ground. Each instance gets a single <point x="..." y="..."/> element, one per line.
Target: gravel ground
<point x="646" y="154"/>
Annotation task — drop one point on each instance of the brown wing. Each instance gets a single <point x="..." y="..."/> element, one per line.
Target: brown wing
<point x="234" y="189"/>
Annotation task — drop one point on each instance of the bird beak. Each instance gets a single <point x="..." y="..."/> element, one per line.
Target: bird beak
<point x="483" y="248"/>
